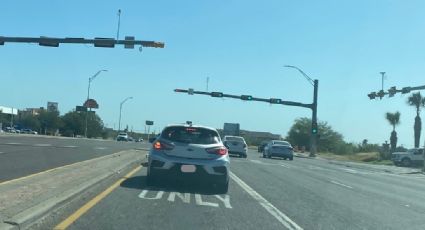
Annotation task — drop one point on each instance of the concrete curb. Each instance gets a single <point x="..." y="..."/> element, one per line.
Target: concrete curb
<point x="29" y="216"/>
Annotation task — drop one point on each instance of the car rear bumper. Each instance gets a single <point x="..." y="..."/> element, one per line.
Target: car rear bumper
<point x="282" y="154"/>
<point x="214" y="169"/>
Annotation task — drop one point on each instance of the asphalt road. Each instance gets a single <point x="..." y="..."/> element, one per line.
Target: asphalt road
<point x="266" y="194"/>
<point x="22" y="155"/>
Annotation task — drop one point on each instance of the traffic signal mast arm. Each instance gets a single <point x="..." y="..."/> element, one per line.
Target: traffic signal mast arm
<point x="246" y="98"/>
<point x="129" y="41"/>
<point x="393" y="90"/>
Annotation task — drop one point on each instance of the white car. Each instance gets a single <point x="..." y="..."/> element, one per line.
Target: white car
<point x="122" y="137"/>
<point x="193" y="153"/>
<point x="412" y="156"/>
<point x="236" y="145"/>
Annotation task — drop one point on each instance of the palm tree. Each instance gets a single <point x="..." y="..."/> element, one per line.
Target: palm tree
<point x="394" y="120"/>
<point x="418" y="102"/>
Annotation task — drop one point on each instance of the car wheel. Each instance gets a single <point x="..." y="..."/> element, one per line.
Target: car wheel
<point x="269" y="156"/>
<point x="264" y="155"/>
<point x="285" y="158"/>
<point x="406" y="162"/>
<point x="291" y="158"/>
<point x="245" y="156"/>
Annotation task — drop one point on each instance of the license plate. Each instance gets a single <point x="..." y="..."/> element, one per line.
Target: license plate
<point x="188" y="168"/>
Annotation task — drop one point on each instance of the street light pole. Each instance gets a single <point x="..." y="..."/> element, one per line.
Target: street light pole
<point x="88" y="96"/>
<point x="119" y="121"/>
<point x="314" y="126"/>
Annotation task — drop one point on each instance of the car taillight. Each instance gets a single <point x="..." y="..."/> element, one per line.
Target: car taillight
<point x="158" y="145"/>
<point x="218" y="150"/>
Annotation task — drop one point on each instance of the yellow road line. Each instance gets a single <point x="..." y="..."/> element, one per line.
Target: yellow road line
<point x="77" y="214"/>
<point x="53" y="169"/>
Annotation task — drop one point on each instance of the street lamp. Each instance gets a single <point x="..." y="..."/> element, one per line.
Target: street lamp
<point x="88" y="95"/>
<point x="119" y="121"/>
<point x="314" y="127"/>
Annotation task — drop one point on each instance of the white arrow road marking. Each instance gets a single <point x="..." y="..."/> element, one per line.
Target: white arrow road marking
<point x="280" y="216"/>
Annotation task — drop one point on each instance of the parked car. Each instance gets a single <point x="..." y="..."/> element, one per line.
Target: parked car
<point x="277" y="148"/>
<point x="236" y="145"/>
<point x="139" y="140"/>
<point x="261" y="146"/>
<point x="408" y="158"/>
<point x="122" y="137"/>
<point x="189" y="152"/>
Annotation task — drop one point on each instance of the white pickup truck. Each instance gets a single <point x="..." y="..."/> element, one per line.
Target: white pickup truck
<point x="412" y="156"/>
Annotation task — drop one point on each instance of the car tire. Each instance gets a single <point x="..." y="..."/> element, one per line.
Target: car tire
<point x="269" y="156"/>
<point x="291" y="158"/>
<point x="406" y="162"/>
<point x="285" y="158"/>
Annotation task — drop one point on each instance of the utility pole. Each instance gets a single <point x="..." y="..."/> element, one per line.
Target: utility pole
<point x="119" y="22"/>
<point x="314" y="126"/>
<point x="119" y="121"/>
<point x="88" y="97"/>
<point x="382" y="79"/>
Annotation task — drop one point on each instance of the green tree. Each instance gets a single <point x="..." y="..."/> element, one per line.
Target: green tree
<point x="394" y="120"/>
<point x="330" y="140"/>
<point x="50" y="121"/>
<point x="74" y="123"/>
<point x="416" y="100"/>
<point x="30" y="121"/>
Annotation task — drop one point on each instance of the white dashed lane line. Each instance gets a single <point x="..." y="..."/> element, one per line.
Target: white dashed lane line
<point x="13" y="143"/>
<point x="42" y="145"/>
<point x="341" y="184"/>
<point x="270" y="208"/>
<point x="100" y="148"/>
<point x="69" y="146"/>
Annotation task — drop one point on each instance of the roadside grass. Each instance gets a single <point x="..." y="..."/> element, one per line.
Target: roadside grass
<point x="370" y="158"/>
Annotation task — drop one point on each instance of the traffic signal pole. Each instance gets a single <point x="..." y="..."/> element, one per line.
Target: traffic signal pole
<point x="314" y="127"/>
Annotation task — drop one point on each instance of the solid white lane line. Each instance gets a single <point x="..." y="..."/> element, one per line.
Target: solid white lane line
<point x="70" y="146"/>
<point x="281" y="217"/>
<point x="13" y="143"/>
<point x="341" y="184"/>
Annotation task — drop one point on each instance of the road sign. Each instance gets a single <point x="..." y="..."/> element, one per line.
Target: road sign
<point x="149" y="122"/>
<point x="190" y="91"/>
<point x="80" y="108"/>
<point x="91" y="103"/>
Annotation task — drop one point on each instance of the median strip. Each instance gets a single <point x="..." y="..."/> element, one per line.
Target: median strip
<point x="26" y="200"/>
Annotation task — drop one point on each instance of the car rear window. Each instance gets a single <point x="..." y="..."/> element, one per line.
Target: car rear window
<point x="281" y="143"/>
<point x="190" y="135"/>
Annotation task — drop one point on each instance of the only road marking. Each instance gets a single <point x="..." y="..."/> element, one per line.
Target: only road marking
<point x="341" y="184"/>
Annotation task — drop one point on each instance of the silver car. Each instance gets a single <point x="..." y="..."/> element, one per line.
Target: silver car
<point x="236" y="145"/>
<point x="189" y="152"/>
<point x="279" y="148"/>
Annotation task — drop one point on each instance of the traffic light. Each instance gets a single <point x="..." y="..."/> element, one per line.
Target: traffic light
<point x="381" y="93"/>
<point x="406" y="90"/>
<point x="392" y="91"/>
<point x="372" y="95"/>
<point x="246" y="97"/>
<point x="216" y="94"/>
<point x="314" y="128"/>
<point x="275" y="101"/>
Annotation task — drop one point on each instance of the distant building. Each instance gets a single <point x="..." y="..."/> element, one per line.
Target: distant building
<point x="52" y="106"/>
<point x="31" y="111"/>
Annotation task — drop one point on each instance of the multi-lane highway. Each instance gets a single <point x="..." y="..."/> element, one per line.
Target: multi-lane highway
<point x="22" y="155"/>
<point x="263" y="194"/>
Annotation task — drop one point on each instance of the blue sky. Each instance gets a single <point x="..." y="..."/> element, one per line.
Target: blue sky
<point x="240" y="45"/>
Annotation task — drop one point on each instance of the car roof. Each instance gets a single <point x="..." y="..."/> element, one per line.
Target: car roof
<point x="194" y="126"/>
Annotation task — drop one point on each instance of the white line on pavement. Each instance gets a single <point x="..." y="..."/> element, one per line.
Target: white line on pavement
<point x="256" y="161"/>
<point x="43" y="145"/>
<point x="341" y="184"/>
<point x="70" y="146"/>
<point x="281" y="217"/>
<point x="285" y="166"/>
<point x="13" y="143"/>
<point x="100" y="148"/>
